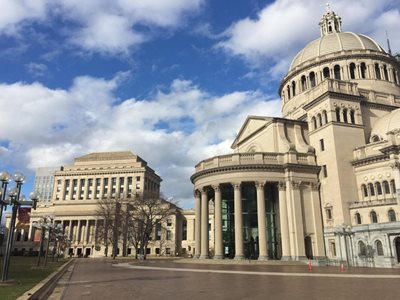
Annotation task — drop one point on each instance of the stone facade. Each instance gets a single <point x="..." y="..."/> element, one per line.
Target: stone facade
<point x="322" y="182"/>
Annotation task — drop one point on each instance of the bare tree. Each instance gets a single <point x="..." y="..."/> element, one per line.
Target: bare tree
<point x="109" y="229"/>
<point x="146" y="215"/>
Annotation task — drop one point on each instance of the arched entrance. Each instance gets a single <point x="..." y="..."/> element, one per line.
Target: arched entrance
<point x="397" y="246"/>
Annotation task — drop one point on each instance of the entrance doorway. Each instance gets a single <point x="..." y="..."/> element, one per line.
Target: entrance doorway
<point x="308" y="245"/>
<point x="397" y="246"/>
<point x="87" y="252"/>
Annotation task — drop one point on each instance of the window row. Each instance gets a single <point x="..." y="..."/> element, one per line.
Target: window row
<point x="369" y="251"/>
<point x="377" y="188"/>
<point x="319" y="120"/>
<point x="354" y="71"/>
<point x="391" y="216"/>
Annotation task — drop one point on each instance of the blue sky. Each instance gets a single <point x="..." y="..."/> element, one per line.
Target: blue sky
<point x="171" y="80"/>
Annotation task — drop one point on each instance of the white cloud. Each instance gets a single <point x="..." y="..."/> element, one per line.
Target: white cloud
<point x="285" y="26"/>
<point x="36" y="69"/>
<point x="98" y="26"/>
<point x="173" y="130"/>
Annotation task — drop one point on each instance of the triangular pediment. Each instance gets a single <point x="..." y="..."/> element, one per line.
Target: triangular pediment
<point x="252" y="125"/>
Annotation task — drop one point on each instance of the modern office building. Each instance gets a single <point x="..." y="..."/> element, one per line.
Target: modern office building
<point x="323" y="181"/>
<point x="44" y="182"/>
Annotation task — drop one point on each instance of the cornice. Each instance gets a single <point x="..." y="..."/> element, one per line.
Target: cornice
<point x="257" y="167"/>
<point x="370" y="160"/>
<point x="340" y="96"/>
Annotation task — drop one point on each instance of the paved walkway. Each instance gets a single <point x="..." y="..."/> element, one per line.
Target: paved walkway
<point x="165" y="279"/>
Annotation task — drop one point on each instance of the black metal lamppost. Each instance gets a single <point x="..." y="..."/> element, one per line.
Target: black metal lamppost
<point x="15" y="200"/>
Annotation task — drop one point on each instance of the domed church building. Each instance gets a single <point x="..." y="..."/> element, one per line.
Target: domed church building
<point x="322" y="182"/>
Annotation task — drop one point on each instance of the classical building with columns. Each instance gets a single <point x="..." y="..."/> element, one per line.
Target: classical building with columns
<point x="78" y="188"/>
<point x="323" y="181"/>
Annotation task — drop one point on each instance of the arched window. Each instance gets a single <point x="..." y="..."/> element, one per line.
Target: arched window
<point x="324" y="117"/>
<point x="314" y="122"/>
<point x="385" y="72"/>
<point x="364" y="190"/>
<point x="386" y="188"/>
<point x="393" y="186"/>
<point x="362" y="250"/>
<point x="377" y="72"/>
<point x="379" y="248"/>
<point x="378" y="188"/>
<point x="293" y="88"/>
<point x="345" y="115"/>
<point x="371" y="189"/>
<point x="352" y="117"/>
<point x="375" y="138"/>
<point x="336" y="71"/>
<point x="328" y="213"/>
<point x="394" y="76"/>
<point x="312" y="79"/>
<point x="374" y="217"/>
<point x="358" y="218"/>
<point x="303" y="83"/>
<point x="319" y="119"/>
<point x="363" y="69"/>
<point x="391" y="215"/>
<point x="326" y="72"/>
<point x="338" y="114"/>
<point x="352" y="71"/>
<point x="288" y="92"/>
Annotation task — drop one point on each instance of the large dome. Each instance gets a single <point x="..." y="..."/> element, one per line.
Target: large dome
<point x="385" y="124"/>
<point x="334" y="42"/>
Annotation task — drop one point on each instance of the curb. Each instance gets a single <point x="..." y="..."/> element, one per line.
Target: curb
<point x="44" y="288"/>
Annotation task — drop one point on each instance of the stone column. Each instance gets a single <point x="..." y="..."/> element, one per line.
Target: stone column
<point x="284" y="222"/>
<point x="101" y="193"/>
<point x="71" y="189"/>
<point x="204" y="225"/>
<point x="78" y="189"/>
<point x="238" y="221"/>
<point x="318" y="251"/>
<point x="262" y="227"/>
<point x="197" y="224"/>
<point x="290" y="218"/>
<point x="218" y="244"/>
<point x="86" y="190"/>
<point x="396" y="174"/>
<point x="297" y="220"/>
<point x="125" y="194"/>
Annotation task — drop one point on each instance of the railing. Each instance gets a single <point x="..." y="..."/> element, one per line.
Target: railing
<point x="379" y="202"/>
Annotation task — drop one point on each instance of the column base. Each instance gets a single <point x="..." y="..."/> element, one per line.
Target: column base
<point x="263" y="258"/>
<point x="196" y="256"/>
<point x="204" y="257"/>
<point x="239" y="257"/>
<point x="218" y="257"/>
<point x="286" y="258"/>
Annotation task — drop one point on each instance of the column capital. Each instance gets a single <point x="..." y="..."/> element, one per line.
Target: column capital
<point x="196" y="193"/>
<point x="314" y="186"/>
<point x="282" y="185"/>
<point x="236" y="185"/>
<point x="295" y="184"/>
<point x="260" y="184"/>
<point x="216" y="187"/>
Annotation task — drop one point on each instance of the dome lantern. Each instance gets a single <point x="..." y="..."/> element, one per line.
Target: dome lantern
<point x="330" y="22"/>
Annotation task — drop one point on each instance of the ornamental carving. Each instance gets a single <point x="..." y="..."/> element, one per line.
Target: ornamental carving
<point x="260" y="184"/>
<point x="282" y="185"/>
<point x="216" y="188"/>
<point x="395" y="165"/>
<point x="314" y="186"/>
<point x="295" y="184"/>
<point x="236" y="185"/>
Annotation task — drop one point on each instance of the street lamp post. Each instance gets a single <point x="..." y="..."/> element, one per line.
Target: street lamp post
<point x="344" y="231"/>
<point x="15" y="200"/>
<point x="5" y="179"/>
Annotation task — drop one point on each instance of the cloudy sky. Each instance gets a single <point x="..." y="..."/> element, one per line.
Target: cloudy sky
<point x="171" y="80"/>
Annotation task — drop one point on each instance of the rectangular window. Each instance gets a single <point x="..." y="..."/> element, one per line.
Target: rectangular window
<point x="321" y="144"/>
<point x="168" y="251"/>
<point x="138" y="178"/>
<point x="158" y="232"/>
<point x="169" y="235"/>
<point x="169" y="222"/>
<point x="184" y="230"/>
<point x="332" y="247"/>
